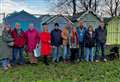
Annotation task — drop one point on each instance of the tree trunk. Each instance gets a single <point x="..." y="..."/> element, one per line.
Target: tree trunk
<point x="95" y="5"/>
<point x="74" y="7"/>
<point x="90" y="3"/>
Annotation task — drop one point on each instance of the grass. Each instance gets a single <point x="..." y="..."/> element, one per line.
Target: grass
<point x="81" y="72"/>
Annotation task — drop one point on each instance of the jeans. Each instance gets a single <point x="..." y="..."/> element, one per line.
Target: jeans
<point x="56" y="54"/>
<point x="89" y="54"/>
<point x="14" y="55"/>
<point x="5" y="62"/>
<point x="81" y="51"/>
<point x="66" y="53"/>
<point x="98" y="47"/>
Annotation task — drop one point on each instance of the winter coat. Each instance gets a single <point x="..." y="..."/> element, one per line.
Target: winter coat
<point x="89" y="39"/>
<point x="5" y="50"/>
<point x="32" y="38"/>
<point x="101" y="35"/>
<point x="81" y="33"/>
<point x="19" y="39"/>
<point x="74" y="42"/>
<point x="56" y="38"/>
<point x="45" y="40"/>
<point x="65" y="36"/>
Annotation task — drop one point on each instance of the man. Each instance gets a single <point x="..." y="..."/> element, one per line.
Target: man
<point x="32" y="39"/>
<point x="19" y="41"/>
<point x="101" y="35"/>
<point x="81" y="29"/>
<point x="56" y="41"/>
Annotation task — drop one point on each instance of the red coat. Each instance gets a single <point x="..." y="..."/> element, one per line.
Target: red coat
<point x="45" y="39"/>
<point x="32" y="38"/>
<point x="19" y="41"/>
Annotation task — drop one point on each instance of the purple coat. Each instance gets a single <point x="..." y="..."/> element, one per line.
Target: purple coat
<point x="32" y="38"/>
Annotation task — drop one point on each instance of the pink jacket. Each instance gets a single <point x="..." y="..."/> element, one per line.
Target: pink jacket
<point x="32" y="38"/>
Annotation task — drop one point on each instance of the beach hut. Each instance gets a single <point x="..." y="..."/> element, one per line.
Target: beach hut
<point x="60" y="19"/>
<point x="113" y="31"/>
<point x="89" y="17"/>
<point x="24" y="18"/>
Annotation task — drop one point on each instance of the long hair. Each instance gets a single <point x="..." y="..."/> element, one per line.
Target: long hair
<point x="90" y="27"/>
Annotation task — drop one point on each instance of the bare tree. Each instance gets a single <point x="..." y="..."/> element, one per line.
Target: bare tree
<point x="62" y="7"/>
<point x="74" y="6"/>
<point x="89" y="4"/>
<point x="101" y="7"/>
<point x="112" y="7"/>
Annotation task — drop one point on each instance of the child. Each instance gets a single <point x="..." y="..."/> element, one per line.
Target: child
<point x="89" y="43"/>
<point x="74" y="42"/>
<point x="45" y="40"/>
<point x="5" y="48"/>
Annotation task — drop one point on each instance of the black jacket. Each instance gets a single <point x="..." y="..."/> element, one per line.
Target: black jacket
<point x="101" y="35"/>
<point x="89" y="40"/>
<point x="56" y="38"/>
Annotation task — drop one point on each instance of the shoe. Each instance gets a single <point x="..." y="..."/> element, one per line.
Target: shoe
<point x="54" y="62"/>
<point x="46" y="63"/>
<point x="5" y="68"/>
<point x="9" y="66"/>
<point x="96" y="61"/>
<point x="78" y="60"/>
<point x="105" y="60"/>
<point x="65" y="62"/>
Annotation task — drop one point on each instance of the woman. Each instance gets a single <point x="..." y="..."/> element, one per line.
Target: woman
<point x="5" y="47"/>
<point x="89" y="43"/>
<point x="45" y="40"/>
<point x="65" y="38"/>
<point x="32" y="39"/>
<point x="74" y="44"/>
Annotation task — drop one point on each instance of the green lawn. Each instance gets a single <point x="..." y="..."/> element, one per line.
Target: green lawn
<point x="82" y="72"/>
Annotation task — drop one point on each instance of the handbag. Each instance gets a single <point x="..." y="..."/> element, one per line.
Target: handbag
<point x="11" y="44"/>
<point x="37" y="51"/>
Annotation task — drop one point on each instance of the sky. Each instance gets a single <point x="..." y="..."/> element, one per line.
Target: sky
<point x="31" y="6"/>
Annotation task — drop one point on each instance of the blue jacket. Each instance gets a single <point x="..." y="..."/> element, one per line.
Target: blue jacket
<point x="56" y="38"/>
<point x="81" y="34"/>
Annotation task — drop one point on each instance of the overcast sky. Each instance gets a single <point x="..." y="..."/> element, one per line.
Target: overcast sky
<point x="31" y="6"/>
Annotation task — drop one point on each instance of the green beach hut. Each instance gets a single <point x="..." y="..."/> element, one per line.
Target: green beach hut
<point x="113" y="31"/>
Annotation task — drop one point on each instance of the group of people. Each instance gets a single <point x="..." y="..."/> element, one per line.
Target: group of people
<point x="75" y="41"/>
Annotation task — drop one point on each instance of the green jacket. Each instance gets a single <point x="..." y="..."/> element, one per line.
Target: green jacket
<point x="5" y="50"/>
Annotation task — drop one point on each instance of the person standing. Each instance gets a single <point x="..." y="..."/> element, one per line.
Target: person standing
<point x="19" y="42"/>
<point x="81" y="29"/>
<point x="56" y="41"/>
<point x="74" y="44"/>
<point x="101" y="35"/>
<point x="32" y="39"/>
<point x="45" y="40"/>
<point x="6" y="48"/>
<point x="89" y="43"/>
<point x="66" y="40"/>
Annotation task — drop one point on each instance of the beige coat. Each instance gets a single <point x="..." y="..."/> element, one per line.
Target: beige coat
<point x="65" y="36"/>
